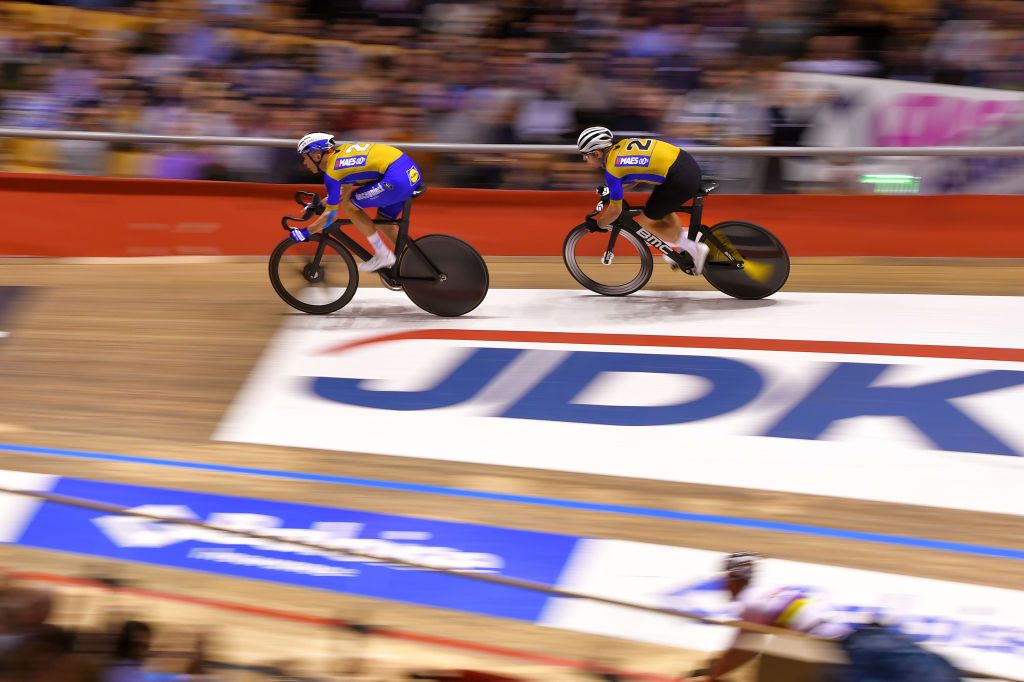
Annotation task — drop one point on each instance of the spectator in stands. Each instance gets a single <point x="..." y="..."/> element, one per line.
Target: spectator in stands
<point x="962" y="50"/>
<point x="32" y="104"/>
<point x="24" y="612"/>
<point x="130" y="653"/>
<point x="32" y="650"/>
<point x="838" y="55"/>
<point x="791" y="109"/>
<point x="47" y="656"/>
<point x="84" y="157"/>
<point x="132" y="650"/>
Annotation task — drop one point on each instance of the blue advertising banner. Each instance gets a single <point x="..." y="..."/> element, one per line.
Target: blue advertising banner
<point x="538" y="557"/>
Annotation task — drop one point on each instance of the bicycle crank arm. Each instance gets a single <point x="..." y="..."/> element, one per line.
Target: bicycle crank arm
<point x="607" y="258"/>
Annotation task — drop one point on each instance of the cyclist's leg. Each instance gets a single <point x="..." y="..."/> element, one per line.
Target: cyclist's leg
<point x="659" y="228"/>
<point x="354" y="212"/>
<point x="681" y="184"/>
<point x="658" y="216"/>
<point x="389" y="195"/>
<point x="671" y="225"/>
<point x="391" y="212"/>
<point x="370" y="196"/>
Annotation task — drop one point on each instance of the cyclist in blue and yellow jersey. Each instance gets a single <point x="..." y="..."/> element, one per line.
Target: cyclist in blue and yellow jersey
<point x="628" y="162"/>
<point x="791" y="608"/>
<point x="875" y="652"/>
<point x="361" y="175"/>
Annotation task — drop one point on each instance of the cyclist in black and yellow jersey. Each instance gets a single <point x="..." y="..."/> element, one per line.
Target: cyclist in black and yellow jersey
<point x="634" y="160"/>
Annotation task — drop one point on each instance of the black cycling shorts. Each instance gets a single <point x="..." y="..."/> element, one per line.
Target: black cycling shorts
<point x="681" y="184"/>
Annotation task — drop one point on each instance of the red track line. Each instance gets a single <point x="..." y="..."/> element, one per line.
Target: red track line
<point x="651" y="340"/>
<point x="337" y="622"/>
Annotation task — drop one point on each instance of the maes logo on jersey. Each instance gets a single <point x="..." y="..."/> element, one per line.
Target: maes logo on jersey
<point x="633" y="161"/>
<point x="349" y="162"/>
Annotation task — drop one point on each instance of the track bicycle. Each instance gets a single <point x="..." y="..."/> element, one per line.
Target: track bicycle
<point x="441" y="274"/>
<point x="745" y="260"/>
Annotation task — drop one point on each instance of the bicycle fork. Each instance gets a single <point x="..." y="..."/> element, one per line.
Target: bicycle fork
<point x="609" y="255"/>
<point x="313" y="272"/>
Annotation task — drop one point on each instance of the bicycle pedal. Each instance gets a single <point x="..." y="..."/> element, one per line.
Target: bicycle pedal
<point x="388" y="282"/>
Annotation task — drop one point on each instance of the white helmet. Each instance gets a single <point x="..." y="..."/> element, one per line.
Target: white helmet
<point x="740" y="565"/>
<point x="592" y="139"/>
<point x="315" y="142"/>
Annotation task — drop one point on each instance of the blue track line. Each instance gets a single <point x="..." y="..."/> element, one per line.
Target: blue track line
<point x="711" y="519"/>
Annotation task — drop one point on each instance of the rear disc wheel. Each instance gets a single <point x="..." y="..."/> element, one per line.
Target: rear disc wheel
<point x="765" y="261"/>
<point x="465" y="276"/>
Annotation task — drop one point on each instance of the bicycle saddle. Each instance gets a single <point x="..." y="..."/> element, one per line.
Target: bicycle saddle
<point x="708" y="186"/>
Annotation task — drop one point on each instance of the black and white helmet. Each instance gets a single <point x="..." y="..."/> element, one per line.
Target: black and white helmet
<point x="740" y="565"/>
<point x="593" y="139"/>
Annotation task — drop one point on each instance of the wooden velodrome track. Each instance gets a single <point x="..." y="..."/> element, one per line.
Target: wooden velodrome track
<point x="143" y="357"/>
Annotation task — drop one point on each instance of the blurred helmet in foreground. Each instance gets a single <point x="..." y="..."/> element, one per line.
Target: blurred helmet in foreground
<point x="592" y="139"/>
<point x="740" y="565"/>
<point x="315" y="142"/>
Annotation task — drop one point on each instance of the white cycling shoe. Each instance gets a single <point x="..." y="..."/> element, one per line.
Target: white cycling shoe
<point x="698" y="252"/>
<point x="379" y="261"/>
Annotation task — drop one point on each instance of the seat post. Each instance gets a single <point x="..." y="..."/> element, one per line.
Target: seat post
<point x="403" y="223"/>
<point x="406" y="210"/>
<point x="695" y="217"/>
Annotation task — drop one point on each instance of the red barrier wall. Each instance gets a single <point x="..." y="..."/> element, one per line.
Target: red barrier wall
<point x="74" y="216"/>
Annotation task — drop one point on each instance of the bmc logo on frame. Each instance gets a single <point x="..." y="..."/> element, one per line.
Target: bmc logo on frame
<point x="777" y="395"/>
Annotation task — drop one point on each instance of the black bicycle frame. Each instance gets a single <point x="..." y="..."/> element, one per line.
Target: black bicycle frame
<point x="681" y="258"/>
<point x="334" y="231"/>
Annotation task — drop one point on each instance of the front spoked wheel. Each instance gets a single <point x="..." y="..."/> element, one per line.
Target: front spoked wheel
<point x="611" y="270"/>
<point x="319" y="288"/>
<point x="464" y="280"/>
<point x="765" y="261"/>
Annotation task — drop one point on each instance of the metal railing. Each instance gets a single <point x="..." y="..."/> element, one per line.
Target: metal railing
<point x="1016" y="151"/>
<point x="494" y="579"/>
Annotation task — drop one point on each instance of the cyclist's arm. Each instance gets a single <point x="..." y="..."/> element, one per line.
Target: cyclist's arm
<point x="331" y="204"/>
<point x="614" y="208"/>
<point x="609" y="214"/>
<point x="729" y="661"/>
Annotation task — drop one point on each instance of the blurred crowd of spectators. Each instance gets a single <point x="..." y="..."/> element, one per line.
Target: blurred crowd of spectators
<point x="502" y="71"/>
<point x="33" y="648"/>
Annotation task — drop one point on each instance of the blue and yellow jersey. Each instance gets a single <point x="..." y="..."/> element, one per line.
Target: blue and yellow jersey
<point x="355" y="163"/>
<point x="637" y="160"/>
